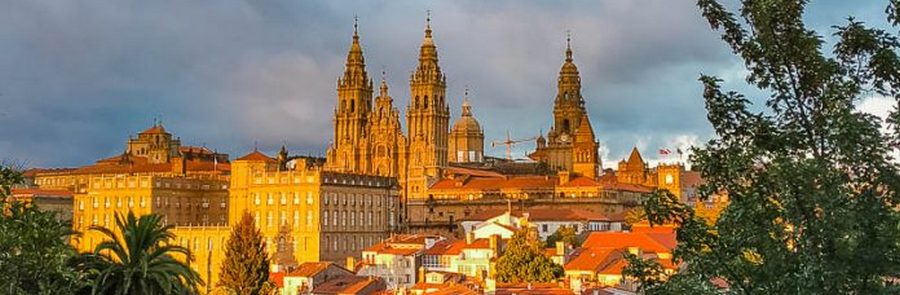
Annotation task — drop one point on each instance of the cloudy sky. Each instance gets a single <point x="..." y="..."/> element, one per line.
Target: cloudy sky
<point x="78" y="77"/>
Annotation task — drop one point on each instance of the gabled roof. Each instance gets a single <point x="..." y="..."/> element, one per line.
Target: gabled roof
<point x="349" y="284"/>
<point x="256" y="156"/>
<point x="647" y="243"/>
<point x="309" y="269"/>
<point x="635" y="157"/>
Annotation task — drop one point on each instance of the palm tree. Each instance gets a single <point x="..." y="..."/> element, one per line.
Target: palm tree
<point x="139" y="260"/>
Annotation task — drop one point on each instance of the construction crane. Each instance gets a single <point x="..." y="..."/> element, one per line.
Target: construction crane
<point x="509" y="142"/>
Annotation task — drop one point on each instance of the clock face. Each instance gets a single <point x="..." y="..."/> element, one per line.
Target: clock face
<point x="564" y="138"/>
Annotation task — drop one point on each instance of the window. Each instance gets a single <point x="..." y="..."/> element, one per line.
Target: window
<point x="370" y="218"/>
<point x="309" y="217"/>
<point x="296" y="198"/>
<point x="324" y="218"/>
<point x="543" y="228"/>
<point x="283" y="218"/>
<point x="269" y="200"/>
<point x="335" y="215"/>
<point x="283" y="199"/>
<point x="309" y="198"/>
<point x="326" y="199"/>
<point x="106" y="202"/>
<point x="269" y="219"/>
<point x="343" y="218"/>
<point x="352" y="218"/>
<point x="81" y="205"/>
<point x="296" y="218"/>
<point x="96" y="202"/>
<point x="130" y="202"/>
<point x="256" y="198"/>
<point x="143" y="202"/>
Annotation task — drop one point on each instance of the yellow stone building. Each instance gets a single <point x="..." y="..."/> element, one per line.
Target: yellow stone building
<point x="314" y="215"/>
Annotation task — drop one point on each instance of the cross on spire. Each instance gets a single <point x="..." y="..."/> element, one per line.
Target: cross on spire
<point x="569" y="45"/>
<point x="355" y="26"/>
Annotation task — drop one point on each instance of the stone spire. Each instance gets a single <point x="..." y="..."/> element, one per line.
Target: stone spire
<point x="355" y="68"/>
<point x="428" y="69"/>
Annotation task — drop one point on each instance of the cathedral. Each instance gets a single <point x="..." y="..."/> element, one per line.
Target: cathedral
<point x="369" y="137"/>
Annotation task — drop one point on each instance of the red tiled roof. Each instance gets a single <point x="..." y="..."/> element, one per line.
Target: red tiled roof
<point x="494" y="183"/>
<point x="348" y="284"/>
<point x="627" y="239"/>
<point x="691" y="179"/>
<point x="309" y="269"/>
<point x="456" y="247"/>
<point x="387" y="248"/>
<point x="592" y="259"/>
<point x="472" y="172"/>
<point x="539" y="214"/>
<point x="581" y="181"/>
<point x="277" y="278"/>
<point x="16" y="192"/>
<point x="533" y="289"/>
<point x="256" y="156"/>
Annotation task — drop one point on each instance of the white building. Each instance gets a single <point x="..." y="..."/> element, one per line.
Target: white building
<point x="545" y="221"/>
<point x="397" y="259"/>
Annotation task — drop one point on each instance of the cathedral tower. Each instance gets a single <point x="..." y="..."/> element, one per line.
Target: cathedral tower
<point x="571" y="144"/>
<point x="428" y="117"/>
<point x="354" y="104"/>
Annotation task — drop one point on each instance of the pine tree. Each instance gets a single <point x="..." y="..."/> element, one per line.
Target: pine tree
<point x="246" y="266"/>
<point x="812" y="184"/>
<point x="524" y="260"/>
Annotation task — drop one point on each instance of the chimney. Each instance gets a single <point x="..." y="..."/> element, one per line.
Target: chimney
<point x="470" y="237"/>
<point x="493" y="243"/>
<point x="351" y="264"/>
<point x="421" y="278"/>
<point x="563" y="177"/>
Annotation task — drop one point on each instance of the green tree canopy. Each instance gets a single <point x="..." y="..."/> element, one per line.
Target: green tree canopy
<point x="811" y="180"/>
<point x="565" y="234"/>
<point x="34" y="253"/>
<point x="140" y="258"/>
<point x="246" y="266"/>
<point x="524" y="260"/>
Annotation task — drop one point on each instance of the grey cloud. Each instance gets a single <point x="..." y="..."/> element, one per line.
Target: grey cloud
<point x="77" y="77"/>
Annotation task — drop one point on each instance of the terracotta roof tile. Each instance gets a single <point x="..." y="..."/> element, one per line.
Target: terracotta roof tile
<point x="628" y="239"/>
<point x="308" y="269"/>
<point x="539" y="214"/>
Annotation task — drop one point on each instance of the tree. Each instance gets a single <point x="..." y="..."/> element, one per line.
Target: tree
<point x="812" y="186"/>
<point x="140" y="258"/>
<point x="34" y="253"/>
<point x="524" y="260"/>
<point x="246" y="266"/>
<point x="565" y="234"/>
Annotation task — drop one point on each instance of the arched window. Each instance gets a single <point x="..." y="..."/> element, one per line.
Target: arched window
<point x="425" y="102"/>
<point x="565" y="125"/>
<point x="416" y="105"/>
<point x="352" y="105"/>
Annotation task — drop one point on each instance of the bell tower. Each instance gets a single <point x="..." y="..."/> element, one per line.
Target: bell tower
<point x="428" y="117"/>
<point x="571" y="144"/>
<point x="354" y="103"/>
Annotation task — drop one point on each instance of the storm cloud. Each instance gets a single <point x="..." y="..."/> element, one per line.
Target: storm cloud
<point x="78" y="77"/>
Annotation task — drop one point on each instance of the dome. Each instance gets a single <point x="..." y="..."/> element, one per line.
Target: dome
<point x="466" y="122"/>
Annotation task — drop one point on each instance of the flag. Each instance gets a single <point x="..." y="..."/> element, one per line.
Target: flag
<point x="664" y="151"/>
<point x="680" y="152"/>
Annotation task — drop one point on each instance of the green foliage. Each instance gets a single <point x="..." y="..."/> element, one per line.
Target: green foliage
<point x="34" y="253"/>
<point x="811" y="181"/>
<point x="566" y="234"/>
<point x="140" y="259"/>
<point x="246" y="266"/>
<point x="524" y="260"/>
